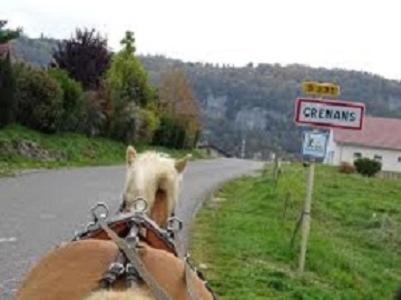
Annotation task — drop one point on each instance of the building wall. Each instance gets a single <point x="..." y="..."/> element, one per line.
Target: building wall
<point x="332" y="151"/>
<point x="336" y="154"/>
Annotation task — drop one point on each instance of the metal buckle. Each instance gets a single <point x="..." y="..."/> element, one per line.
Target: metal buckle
<point x="132" y="238"/>
<point x="140" y="206"/>
<point x="90" y="226"/>
<point x="189" y="261"/>
<point x="174" y="225"/>
<point x="116" y="269"/>
<point x="99" y="211"/>
<point x="132" y="275"/>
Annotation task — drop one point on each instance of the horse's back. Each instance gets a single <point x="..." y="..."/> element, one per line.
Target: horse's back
<point x="69" y="272"/>
<point x="73" y="272"/>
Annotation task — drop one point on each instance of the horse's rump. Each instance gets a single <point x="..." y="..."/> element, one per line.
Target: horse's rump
<point x="73" y="272"/>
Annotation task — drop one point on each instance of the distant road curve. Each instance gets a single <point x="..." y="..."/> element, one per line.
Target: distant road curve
<point x="38" y="210"/>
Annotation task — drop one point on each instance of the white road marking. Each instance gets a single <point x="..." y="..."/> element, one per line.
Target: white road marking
<point x="8" y="240"/>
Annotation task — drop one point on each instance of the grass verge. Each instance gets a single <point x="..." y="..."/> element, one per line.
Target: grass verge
<point x="243" y="238"/>
<point x="22" y="148"/>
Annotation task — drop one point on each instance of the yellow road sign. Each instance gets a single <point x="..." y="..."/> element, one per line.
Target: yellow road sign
<point x="320" y="89"/>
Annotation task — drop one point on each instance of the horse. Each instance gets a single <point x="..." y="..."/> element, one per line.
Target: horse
<point x="86" y="268"/>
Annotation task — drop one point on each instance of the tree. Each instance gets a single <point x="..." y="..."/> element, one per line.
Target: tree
<point x="177" y="102"/>
<point x="130" y="95"/>
<point x="7" y="35"/>
<point x="176" y="95"/>
<point x="127" y="80"/>
<point x="73" y="103"/>
<point x="85" y="57"/>
<point x="39" y="99"/>
<point x="7" y="88"/>
<point x="7" y="80"/>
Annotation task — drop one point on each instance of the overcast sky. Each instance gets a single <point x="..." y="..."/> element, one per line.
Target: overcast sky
<point x="352" y="34"/>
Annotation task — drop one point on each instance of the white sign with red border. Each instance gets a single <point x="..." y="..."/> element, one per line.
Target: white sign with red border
<point x="329" y="113"/>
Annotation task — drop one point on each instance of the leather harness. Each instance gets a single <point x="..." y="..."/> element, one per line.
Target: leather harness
<point x="126" y="230"/>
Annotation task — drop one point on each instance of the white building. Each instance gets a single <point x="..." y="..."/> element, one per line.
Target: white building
<point x="379" y="139"/>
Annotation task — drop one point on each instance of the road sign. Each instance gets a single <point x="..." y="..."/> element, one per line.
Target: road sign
<point x="320" y="89"/>
<point x="314" y="144"/>
<point x="329" y="113"/>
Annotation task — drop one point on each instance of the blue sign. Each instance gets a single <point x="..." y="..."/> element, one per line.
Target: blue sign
<point x="314" y="144"/>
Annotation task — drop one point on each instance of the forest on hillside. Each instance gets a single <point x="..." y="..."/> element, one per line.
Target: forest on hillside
<point x="254" y="103"/>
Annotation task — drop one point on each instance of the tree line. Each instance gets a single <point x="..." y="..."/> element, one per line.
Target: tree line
<point x="260" y="93"/>
<point x="88" y="89"/>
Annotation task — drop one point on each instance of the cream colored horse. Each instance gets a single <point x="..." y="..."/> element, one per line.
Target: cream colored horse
<point x="155" y="178"/>
<point x="73" y="271"/>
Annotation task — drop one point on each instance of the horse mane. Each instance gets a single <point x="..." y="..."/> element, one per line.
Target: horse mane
<point x="163" y="162"/>
<point x="153" y="176"/>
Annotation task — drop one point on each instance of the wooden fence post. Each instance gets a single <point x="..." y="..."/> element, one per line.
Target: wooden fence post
<point x="306" y="217"/>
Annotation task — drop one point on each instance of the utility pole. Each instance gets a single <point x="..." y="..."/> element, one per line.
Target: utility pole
<point x="243" y="146"/>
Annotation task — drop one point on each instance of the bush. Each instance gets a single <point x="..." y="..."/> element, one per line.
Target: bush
<point x="94" y="118"/>
<point x="346" y="168"/>
<point x="123" y="124"/>
<point x="134" y="124"/>
<point x="171" y="133"/>
<point x="367" y="167"/>
<point x="147" y="124"/>
<point x="85" y="57"/>
<point x="39" y="99"/>
<point x="7" y="89"/>
<point x="73" y="103"/>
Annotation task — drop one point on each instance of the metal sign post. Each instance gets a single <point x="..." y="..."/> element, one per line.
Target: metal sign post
<point x="314" y="145"/>
<point x="321" y="113"/>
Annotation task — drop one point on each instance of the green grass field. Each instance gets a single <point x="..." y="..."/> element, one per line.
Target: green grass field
<point x="243" y="237"/>
<point x="65" y="150"/>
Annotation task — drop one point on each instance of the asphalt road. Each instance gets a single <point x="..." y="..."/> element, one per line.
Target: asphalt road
<point x="41" y="209"/>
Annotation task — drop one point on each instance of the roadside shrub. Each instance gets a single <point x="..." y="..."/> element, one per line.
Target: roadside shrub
<point x="147" y="124"/>
<point x="123" y="124"/>
<point x="171" y="133"/>
<point x="346" y="168"/>
<point x="367" y="167"/>
<point x="7" y="90"/>
<point x="39" y="99"/>
<point x="94" y="119"/>
<point x="73" y="103"/>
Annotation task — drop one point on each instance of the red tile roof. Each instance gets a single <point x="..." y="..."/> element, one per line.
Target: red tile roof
<point x="376" y="133"/>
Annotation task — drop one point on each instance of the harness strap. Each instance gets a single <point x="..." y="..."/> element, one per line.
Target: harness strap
<point x="189" y="270"/>
<point x="132" y="255"/>
<point x="192" y="292"/>
<point x="115" y="271"/>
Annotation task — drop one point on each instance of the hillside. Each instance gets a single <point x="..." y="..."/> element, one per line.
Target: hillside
<point x="253" y="102"/>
